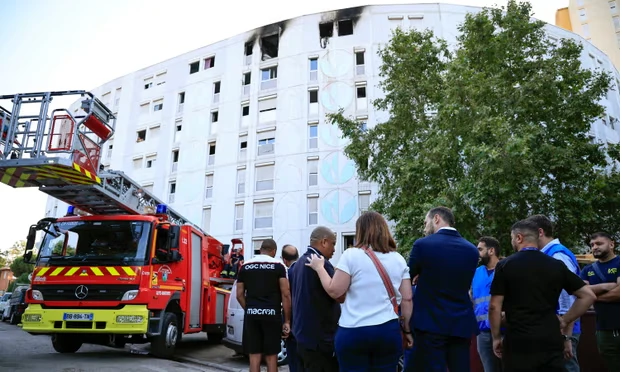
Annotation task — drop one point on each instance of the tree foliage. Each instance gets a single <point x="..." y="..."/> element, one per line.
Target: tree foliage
<point x="19" y="267"/>
<point x="496" y="129"/>
<point x="9" y="255"/>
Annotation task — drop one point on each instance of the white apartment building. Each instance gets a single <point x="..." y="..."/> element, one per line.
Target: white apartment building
<point x="233" y="135"/>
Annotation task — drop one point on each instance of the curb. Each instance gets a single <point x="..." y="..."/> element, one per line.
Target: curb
<point x="210" y="364"/>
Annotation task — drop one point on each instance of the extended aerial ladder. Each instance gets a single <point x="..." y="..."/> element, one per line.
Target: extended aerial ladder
<point x="59" y="152"/>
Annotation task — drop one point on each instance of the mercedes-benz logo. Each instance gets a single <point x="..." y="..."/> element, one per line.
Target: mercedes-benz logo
<point x="82" y="292"/>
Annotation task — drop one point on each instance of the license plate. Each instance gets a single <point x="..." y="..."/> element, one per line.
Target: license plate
<point x="230" y="330"/>
<point x="78" y="316"/>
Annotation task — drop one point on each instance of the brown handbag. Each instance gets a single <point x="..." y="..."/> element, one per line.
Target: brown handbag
<point x="390" y="290"/>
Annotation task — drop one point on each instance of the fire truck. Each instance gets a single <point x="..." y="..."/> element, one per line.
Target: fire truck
<point x="121" y="266"/>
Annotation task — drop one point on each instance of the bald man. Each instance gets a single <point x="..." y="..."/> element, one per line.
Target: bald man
<point x="289" y="253"/>
<point x="315" y="313"/>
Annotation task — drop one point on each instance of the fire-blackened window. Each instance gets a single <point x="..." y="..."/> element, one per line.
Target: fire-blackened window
<point x="326" y="29"/>
<point x="345" y="27"/>
<point x="269" y="47"/>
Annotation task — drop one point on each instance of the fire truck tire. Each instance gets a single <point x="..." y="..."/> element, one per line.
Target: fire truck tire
<point x="163" y="345"/>
<point x="65" y="343"/>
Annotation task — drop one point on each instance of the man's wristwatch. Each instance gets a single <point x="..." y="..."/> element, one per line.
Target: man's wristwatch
<point x="566" y="337"/>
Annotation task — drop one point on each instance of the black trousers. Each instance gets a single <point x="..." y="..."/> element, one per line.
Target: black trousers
<point x="551" y="361"/>
<point x="320" y="359"/>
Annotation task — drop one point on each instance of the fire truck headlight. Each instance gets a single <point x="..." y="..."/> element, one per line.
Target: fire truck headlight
<point x="32" y="318"/>
<point x="129" y="319"/>
<point x="37" y="295"/>
<point x="130" y="295"/>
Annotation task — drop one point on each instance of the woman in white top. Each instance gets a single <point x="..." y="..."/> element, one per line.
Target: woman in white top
<point x="369" y="336"/>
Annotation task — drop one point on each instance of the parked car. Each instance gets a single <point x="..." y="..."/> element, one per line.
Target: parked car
<point x="4" y="302"/>
<point x="16" y="306"/>
<point x="235" y="325"/>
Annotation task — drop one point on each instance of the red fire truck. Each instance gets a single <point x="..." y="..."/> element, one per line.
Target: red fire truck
<point x="121" y="267"/>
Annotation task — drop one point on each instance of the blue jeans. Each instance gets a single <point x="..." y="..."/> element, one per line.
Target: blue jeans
<point x="572" y="365"/>
<point x="438" y="353"/>
<point x="372" y="348"/>
<point x="484" y="348"/>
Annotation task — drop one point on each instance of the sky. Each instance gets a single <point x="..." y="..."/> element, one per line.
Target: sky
<point x="76" y="44"/>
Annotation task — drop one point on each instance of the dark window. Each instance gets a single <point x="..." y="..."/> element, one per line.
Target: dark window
<point x="245" y="110"/>
<point x="194" y="67"/>
<point x="175" y="156"/>
<point x="182" y="97"/>
<point x="214" y="116"/>
<point x="243" y="145"/>
<point x="217" y="87"/>
<point x="212" y="149"/>
<point x="248" y="48"/>
<point x="326" y="29"/>
<point x="313" y="96"/>
<point x="247" y="78"/>
<point x="269" y="47"/>
<point x="361" y="92"/>
<point x="345" y="27"/>
<point x="360" y="58"/>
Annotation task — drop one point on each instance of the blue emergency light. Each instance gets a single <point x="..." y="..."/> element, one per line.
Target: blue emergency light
<point x="161" y="209"/>
<point x="70" y="210"/>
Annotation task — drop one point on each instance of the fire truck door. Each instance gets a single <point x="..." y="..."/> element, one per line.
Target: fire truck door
<point x="196" y="281"/>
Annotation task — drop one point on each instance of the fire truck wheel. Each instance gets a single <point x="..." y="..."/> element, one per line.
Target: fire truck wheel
<point x="63" y="343"/>
<point x="163" y="345"/>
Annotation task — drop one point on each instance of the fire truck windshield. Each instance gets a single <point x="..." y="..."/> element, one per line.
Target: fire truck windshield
<point x="96" y="242"/>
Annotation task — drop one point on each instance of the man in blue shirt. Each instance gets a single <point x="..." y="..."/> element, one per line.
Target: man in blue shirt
<point x="553" y="248"/>
<point x="489" y="251"/>
<point x="316" y="314"/>
<point x="603" y="278"/>
<point x="289" y="253"/>
<point x="443" y="321"/>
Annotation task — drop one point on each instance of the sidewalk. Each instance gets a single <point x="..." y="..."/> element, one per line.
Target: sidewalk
<point x="195" y="349"/>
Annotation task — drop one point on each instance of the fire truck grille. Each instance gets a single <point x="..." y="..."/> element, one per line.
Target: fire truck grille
<point x="83" y="292"/>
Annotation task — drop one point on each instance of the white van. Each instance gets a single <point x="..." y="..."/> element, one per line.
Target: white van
<point x="235" y="325"/>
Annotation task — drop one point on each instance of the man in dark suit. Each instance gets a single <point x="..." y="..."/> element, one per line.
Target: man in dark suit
<point x="443" y="320"/>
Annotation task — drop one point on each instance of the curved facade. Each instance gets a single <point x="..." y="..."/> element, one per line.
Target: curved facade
<point x="232" y="135"/>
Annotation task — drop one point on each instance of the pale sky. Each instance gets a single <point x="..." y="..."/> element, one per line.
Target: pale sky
<point x="76" y="44"/>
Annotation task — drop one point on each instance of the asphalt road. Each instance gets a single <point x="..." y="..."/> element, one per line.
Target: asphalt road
<point x="20" y="351"/>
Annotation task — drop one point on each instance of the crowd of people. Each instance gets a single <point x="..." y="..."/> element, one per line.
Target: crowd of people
<point x="373" y="307"/>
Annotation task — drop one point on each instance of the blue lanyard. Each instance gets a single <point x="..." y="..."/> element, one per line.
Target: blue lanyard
<point x="529" y="249"/>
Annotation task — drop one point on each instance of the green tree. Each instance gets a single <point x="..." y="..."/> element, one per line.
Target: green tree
<point x="22" y="279"/>
<point x="18" y="267"/>
<point x="16" y="250"/>
<point x="495" y="129"/>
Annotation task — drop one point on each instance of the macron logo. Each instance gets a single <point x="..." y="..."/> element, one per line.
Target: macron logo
<point x="260" y="312"/>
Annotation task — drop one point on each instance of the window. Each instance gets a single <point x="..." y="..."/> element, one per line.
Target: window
<point x="117" y="97"/>
<point x="248" y="52"/>
<point x="209" y="62"/>
<point x="263" y="215"/>
<point x="312" y="205"/>
<point x="239" y="217"/>
<point x="246" y="83"/>
<point x="585" y="28"/>
<point x="177" y="134"/>
<point x="246" y="109"/>
<point x="137" y="162"/>
<point x="360" y="63"/>
<point x="211" y="153"/>
<point x="144" y="109"/>
<point x="361" y="98"/>
<point x="613" y="7"/>
<point x="313" y="69"/>
<point x="216" y="92"/>
<point x="148" y="187"/>
<point x="313" y="96"/>
<point x="160" y="78"/>
<point x="313" y="136"/>
<point x="363" y="202"/>
<point x="268" y="78"/>
<point x="345" y="27"/>
<point x="312" y="168"/>
<point x="326" y="29"/>
<point x="363" y="125"/>
<point x="314" y="107"/>
<point x="243" y="147"/>
<point x="172" y="187"/>
<point x="151" y="161"/>
<point x="181" y="98"/>
<point x="109" y="152"/>
<point x="175" y="159"/>
<point x="265" y="145"/>
<point x="158" y="105"/>
<point x="264" y="176"/>
<point x="141" y="135"/>
<point x="348" y="241"/>
<point x="148" y="83"/>
<point x="269" y="47"/>
<point x="616" y="23"/>
<point x="209" y="185"/>
<point x="214" y="117"/>
<point x="267" y="110"/>
<point x="207" y="219"/>
<point x="194" y="67"/>
<point x="241" y="181"/>
<point x="582" y="15"/>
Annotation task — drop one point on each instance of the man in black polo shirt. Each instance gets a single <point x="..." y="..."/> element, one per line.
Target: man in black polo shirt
<point x="262" y="289"/>
<point x="527" y="286"/>
<point x="315" y="313"/>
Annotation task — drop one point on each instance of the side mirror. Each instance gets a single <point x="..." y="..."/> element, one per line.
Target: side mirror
<point x="225" y="249"/>
<point x="173" y="236"/>
<point x="30" y="239"/>
<point x="175" y="256"/>
<point x="28" y="257"/>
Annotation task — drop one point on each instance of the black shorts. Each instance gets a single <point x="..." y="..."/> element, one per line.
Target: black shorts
<point x="262" y="336"/>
